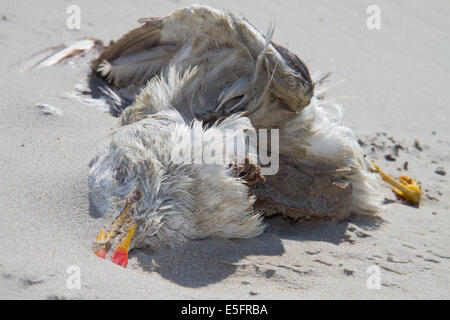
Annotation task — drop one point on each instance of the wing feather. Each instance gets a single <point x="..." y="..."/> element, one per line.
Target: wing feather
<point x="239" y="69"/>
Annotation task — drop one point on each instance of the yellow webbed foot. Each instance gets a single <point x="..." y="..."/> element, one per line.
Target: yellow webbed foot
<point x="406" y="187"/>
<point x="414" y="193"/>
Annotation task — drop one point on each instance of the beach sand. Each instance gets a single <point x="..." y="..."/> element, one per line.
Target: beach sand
<point x="393" y="82"/>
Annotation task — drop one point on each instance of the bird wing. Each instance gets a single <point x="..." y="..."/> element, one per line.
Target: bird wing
<point x="239" y="68"/>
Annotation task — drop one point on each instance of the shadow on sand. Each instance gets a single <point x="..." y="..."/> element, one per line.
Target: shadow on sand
<point x="204" y="262"/>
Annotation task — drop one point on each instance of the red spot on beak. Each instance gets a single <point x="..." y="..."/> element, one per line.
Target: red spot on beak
<point x="120" y="257"/>
<point x="101" y="253"/>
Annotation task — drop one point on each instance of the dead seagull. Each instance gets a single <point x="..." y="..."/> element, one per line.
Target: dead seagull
<point x="207" y="65"/>
<point x="195" y="67"/>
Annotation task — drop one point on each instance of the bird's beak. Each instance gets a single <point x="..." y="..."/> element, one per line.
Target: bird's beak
<point x="125" y="228"/>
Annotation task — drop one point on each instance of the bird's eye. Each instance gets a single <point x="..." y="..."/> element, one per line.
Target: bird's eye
<point x="137" y="195"/>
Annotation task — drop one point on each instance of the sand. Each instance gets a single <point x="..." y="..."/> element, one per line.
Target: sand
<point x="393" y="82"/>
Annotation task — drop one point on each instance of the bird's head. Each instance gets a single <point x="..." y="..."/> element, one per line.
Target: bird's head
<point x="137" y="188"/>
<point x="114" y="193"/>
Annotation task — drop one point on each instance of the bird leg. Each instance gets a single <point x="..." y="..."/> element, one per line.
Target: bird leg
<point x="407" y="187"/>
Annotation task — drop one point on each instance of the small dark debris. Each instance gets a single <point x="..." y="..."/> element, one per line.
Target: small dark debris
<point x="405" y="166"/>
<point x="31" y="282"/>
<point x="270" y="273"/>
<point x="434" y="213"/>
<point x="389" y="157"/>
<point x="326" y="263"/>
<point x="4" y="18"/>
<point x="391" y="259"/>
<point x="388" y="201"/>
<point x="22" y="145"/>
<point x="441" y="171"/>
<point x="312" y="252"/>
<point x="417" y="145"/>
<point x="361" y="143"/>
<point x="433" y="133"/>
<point x="252" y="293"/>
<point x="348" y="272"/>
<point x="397" y="148"/>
